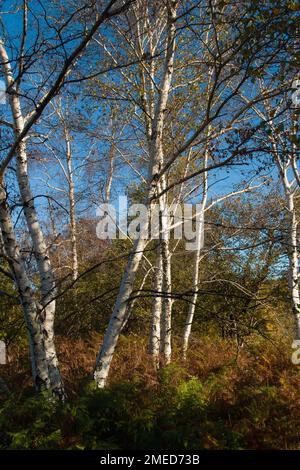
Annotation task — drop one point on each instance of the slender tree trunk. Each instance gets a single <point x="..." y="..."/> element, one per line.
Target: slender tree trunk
<point x="154" y="346"/>
<point x="197" y="257"/>
<point x="166" y="317"/>
<point x="166" y="324"/>
<point x="294" y="262"/>
<point x="71" y="206"/>
<point x="105" y="356"/>
<point x="192" y="305"/>
<point x="114" y="329"/>
<point x="32" y="315"/>
<point x="39" y="246"/>
<point x="110" y="170"/>
<point x="48" y="289"/>
<point x="293" y="252"/>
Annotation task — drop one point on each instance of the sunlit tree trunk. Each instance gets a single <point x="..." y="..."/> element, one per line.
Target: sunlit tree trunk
<point x="155" y="330"/>
<point x="114" y="328"/>
<point x="166" y="320"/>
<point x="48" y="290"/>
<point x="166" y="317"/>
<point x="290" y="188"/>
<point x="105" y="355"/>
<point x="293" y="261"/>
<point x="71" y="195"/>
<point x="197" y="258"/>
<point x="31" y="312"/>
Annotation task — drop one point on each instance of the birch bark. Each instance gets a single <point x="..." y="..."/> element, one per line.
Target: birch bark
<point x="166" y="316"/>
<point x="197" y="257"/>
<point x="71" y="194"/>
<point x="293" y="255"/>
<point x="31" y="312"/>
<point x="48" y="290"/>
<point x="105" y="355"/>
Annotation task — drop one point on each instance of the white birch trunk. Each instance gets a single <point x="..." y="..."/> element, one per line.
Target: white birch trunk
<point x="114" y="329"/>
<point x="33" y="321"/>
<point x="39" y="245"/>
<point x="154" y="346"/>
<point x="166" y="324"/>
<point x="293" y="252"/>
<point x="192" y="305"/>
<point x="74" y="264"/>
<point x="197" y="257"/>
<point x="105" y="356"/>
<point x="110" y="171"/>
<point x="166" y="317"/>
<point x="48" y="290"/>
<point x="294" y="263"/>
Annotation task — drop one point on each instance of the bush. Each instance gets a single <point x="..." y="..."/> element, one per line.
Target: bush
<point x="252" y="402"/>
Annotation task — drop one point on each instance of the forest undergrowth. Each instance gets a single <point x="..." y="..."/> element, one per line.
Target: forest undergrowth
<point x="220" y="398"/>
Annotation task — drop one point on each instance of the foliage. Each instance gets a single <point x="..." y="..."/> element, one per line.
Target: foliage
<point x="214" y="401"/>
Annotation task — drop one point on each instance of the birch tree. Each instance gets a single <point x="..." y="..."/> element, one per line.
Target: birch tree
<point x="232" y="58"/>
<point x="39" y="363"/>
<point x="284" y="149"/>
<point x="44" y="309"/>
<point x="197" y="259"/>
<point x="46" y="274"/>
<point x="105" y="355"/>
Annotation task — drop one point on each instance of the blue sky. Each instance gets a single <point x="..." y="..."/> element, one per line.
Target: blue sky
<point x="221" y="181"/>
